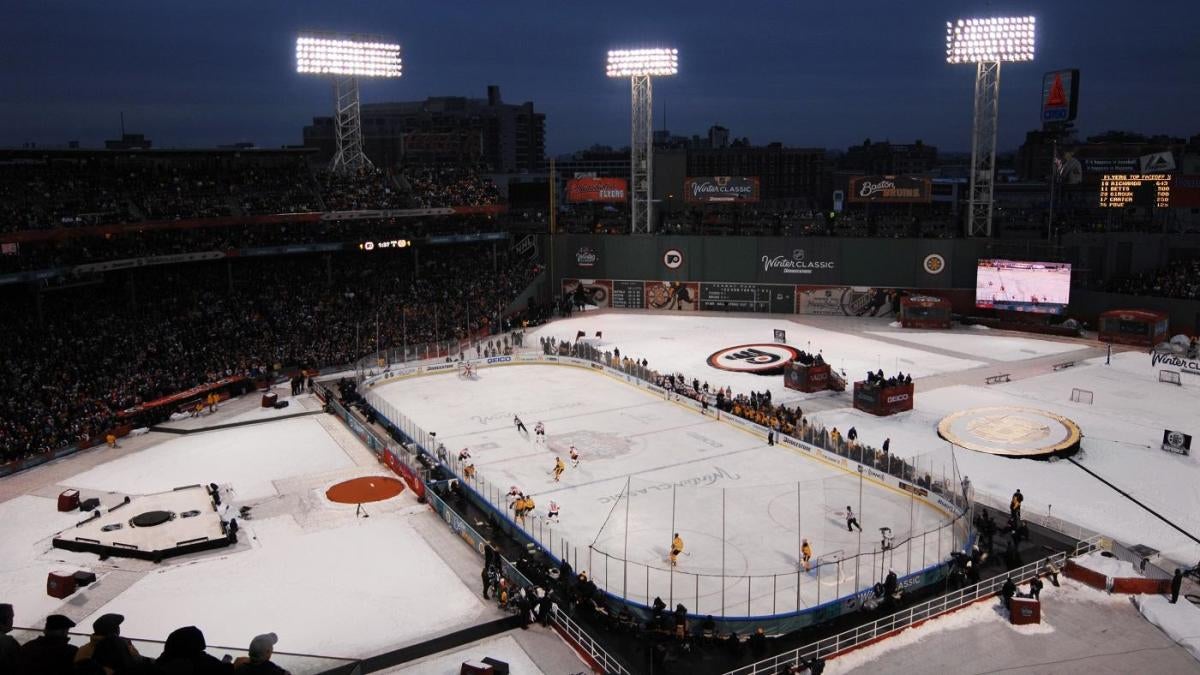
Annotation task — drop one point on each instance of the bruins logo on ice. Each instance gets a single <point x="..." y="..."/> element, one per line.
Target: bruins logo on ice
<point x="759" y="358"/>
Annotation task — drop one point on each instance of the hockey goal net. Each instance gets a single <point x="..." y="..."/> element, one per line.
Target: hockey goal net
<point x="1081" y="396"/>
<point x="1170" y="377"/>
<point x="467" y="371"/>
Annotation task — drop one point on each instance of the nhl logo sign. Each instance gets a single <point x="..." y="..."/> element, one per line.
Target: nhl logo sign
<point x="934" y="264"/>
<point x="757" y="359"/>
<point x="673" y="259"/>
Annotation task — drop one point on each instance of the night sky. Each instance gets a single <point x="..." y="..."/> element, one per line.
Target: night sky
<point x="803" y="72"/>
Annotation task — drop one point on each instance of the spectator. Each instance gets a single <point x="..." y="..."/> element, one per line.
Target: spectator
<point x="50" y="653"/>
<point x="107" y="648"/>
<point x="8" y="644"/>
<point x="258" y="659"/>
<point x="183" y="654"/>
<point x="1176" y="585"/>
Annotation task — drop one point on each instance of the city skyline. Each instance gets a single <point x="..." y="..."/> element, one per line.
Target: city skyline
<point x="804" y="76"/>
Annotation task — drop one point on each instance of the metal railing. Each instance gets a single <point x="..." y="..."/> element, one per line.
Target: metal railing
<point x="576" y="633"/>
<point x="846" y="640"/>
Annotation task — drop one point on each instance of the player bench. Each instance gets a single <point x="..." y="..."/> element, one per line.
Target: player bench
<point x="1064" y="365"/>
<point x="995" y="379"/>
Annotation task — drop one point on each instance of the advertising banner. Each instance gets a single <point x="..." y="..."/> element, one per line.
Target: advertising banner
<point x="891" y="189"/>
<point x="718" y="189"/>
<point x="812" y="264"/>
<point x="607" y="190"/>
<point x="1060" y="96"/>
<point x="683" y="295"/>
<point x="846" y="301"/>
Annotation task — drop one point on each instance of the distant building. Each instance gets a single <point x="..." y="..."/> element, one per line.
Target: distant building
<point x="718" y="137"/>
<point x="504" y="137"/>
<point x="889" y="159"/>
<point x="794" y="177"/>
<point x="129" y="142"/>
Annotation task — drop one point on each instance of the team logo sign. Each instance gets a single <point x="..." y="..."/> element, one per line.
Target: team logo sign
<point x="934" y="264"/>
<point x="673" y="259"/>
<point x="758" y="358"/>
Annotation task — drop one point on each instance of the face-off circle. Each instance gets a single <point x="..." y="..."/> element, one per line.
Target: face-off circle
<point x="758" y="358"/>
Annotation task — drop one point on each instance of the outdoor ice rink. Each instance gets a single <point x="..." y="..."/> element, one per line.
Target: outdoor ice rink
<point x="740" y="505"/>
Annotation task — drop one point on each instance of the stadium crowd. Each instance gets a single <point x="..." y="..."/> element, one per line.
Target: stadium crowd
<point x="1179" y="279"/>
<point x="157" y="331"/>
<point x="450" y="186"/>
<point x="79" y="250"/>
<point x="39" y="194"/>
<point x="108" y="653"/>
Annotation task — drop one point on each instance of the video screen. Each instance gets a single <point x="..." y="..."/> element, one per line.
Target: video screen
<point x="1019" y="286"/>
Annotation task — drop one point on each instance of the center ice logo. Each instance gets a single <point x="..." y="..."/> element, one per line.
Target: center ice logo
<point x="759" y="358"/>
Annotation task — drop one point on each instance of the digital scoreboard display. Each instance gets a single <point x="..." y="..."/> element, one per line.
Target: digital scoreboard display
<point x="1118" y="190"/>
<point x="1020" y="286"/>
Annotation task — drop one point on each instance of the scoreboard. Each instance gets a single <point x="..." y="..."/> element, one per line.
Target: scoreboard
<point x="1149" y="190"/>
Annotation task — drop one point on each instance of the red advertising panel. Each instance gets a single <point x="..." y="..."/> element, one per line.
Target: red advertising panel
<point x="891" y="189"/>
<point x="1185" y="193"/>
<point x="721" y="189"/>
<point x="610" y="190"/>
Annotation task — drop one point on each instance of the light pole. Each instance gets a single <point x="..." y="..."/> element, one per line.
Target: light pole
<point x="639" y="65"/>
<point x="344" y="59"/>
<point x="987" y="43"/>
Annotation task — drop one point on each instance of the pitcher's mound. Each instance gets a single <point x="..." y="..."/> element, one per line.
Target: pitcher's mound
<point x="366" y="489"/>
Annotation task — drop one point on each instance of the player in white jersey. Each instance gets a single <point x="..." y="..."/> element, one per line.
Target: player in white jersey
<point x="553" y="513"/>
<point x="574" y="457"/>
<point x="539" y="430"/>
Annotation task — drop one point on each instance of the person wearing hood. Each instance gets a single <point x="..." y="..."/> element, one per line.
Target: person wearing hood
<point x="50" y="653"/>
<point x="183" y="654"/>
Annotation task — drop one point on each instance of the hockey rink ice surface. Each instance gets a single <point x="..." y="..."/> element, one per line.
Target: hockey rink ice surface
<point x="663" y="451"/>
<point x="1122" y="429"/>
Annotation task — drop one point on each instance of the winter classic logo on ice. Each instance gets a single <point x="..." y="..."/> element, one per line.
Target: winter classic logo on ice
<point x="796" y="264"/>
<point x="758" y="358"/>
<point x="1184" y="365"/>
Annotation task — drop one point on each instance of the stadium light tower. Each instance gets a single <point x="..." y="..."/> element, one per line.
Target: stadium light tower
<point x="987" y="43"/>
<point x="639" y="65"/>
<point x="344" y="59"/>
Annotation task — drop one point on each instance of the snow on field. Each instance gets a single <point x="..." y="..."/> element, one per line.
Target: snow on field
<point x="1180" y="621"/>
<point x="349" y="591"/>
<point x="503" y="648"/>
<point x="669" y="453"/>
<point x="1122" y="431"/>
<point x="683" y="343"/>
<point x="1108" y="565"/>
<point x="248" y="458"/>
<point x="986" y="613"/>
<point x="994" y="347"/>
<point x="26" y="556"/>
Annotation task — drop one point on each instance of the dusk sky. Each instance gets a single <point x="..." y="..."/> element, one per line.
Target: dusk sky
<point x="806" y="73"/>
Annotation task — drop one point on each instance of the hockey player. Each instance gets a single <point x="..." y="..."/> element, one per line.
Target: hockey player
<point x="540" y="430"/>
<point x="514" y="493"/>
<point x="559" y="467"/>
<point x="520" y="425"/>
<point x="469" y="471"/>
<point x="574" y="457"/>
<point x="464" y="455"/>
<point x="553" y="513"/>
<point x="676" y="548"/>
<point x="806" y="555"/>
<point x="1014" y="506"/>
<point x="851" y="521"/>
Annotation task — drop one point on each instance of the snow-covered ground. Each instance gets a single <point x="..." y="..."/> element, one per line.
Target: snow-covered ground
<point x="683" y="344"/>
<point x="974" y="344"/>
<point x="246" y="458"/>
<point x="681" y="467"/>
<point x="348" y="591"/>
<point x="1180" y="621"/>
<point x="1122" y="429"/>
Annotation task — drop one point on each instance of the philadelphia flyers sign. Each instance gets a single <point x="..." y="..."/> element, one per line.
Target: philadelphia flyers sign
<point x="758" y="359"/>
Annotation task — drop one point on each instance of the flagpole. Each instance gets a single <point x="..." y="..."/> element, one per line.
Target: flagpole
<point x="1053" y="180"/>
